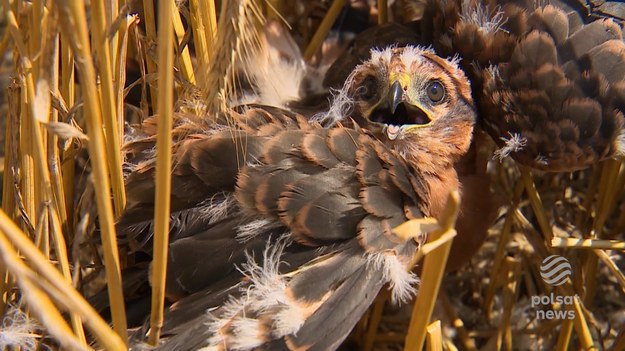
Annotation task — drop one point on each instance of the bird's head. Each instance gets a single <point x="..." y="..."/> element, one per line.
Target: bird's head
<point x="413" y="100"/>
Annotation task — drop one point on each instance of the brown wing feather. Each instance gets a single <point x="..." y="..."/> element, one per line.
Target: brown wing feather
<point x="555" y="95"/>
<point x="277" y="212"/>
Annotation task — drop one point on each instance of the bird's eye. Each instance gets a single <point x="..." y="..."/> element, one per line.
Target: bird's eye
<point x="436" y="91"/>
<point x="367" y="89"/>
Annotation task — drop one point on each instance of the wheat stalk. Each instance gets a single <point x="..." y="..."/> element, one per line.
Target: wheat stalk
<point x="431" y="276"/>
<point x="75" y="32"/>
<point x="163" y="168"/>
<point x="237" y="40"/>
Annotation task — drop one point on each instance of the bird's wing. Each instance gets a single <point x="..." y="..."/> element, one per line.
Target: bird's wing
<point x="294" y="220"/>
<point x="207" y="156"/>
<point x="549" y="80"/>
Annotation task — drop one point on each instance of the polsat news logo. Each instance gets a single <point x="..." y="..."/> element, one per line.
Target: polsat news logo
<point x="555" y="271"/>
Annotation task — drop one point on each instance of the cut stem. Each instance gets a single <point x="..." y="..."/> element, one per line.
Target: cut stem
<point x="431" y="277"/>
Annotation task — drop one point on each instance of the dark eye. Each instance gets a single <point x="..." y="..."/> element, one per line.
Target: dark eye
<point x="367" y="89"/>
<point x="436" y="91"/>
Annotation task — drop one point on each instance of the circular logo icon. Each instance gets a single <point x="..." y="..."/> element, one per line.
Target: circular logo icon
<point x="555" y="270"/>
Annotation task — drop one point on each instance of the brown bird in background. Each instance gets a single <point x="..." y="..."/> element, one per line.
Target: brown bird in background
<point x="549" y="80"/>
<point x="282" y="228"/>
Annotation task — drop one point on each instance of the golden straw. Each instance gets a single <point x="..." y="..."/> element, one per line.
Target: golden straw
<point x="72" y="298"/>
<point x="76" y="33"/>
<point x="564" y="337"/>
<point x="581" y="327"/>
<point x="324" y="28"/>
<point x="198" y="27"/>
<point x="536" y="202"/>
<point x="163" y="168"/>
<point x="43" y="172"/>
<point x="574" y="243"/>
<point x="39" y="303"/>
<point x="434" y="337"/>
<point x="109" y="111"/>
<point x="431" y="276"/>
<point x="185" y="57"/>
<point x="614" y="269"/>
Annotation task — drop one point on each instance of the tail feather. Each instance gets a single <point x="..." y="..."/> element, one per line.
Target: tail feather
<point x="314" y="306"/>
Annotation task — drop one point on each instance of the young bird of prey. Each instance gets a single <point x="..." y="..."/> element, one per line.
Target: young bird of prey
<point x="282" y="228"/>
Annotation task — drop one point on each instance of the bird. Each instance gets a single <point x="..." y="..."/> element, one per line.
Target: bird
<point x="547" y="78"/>
<point x="282" y="222"/>
<point x="282" y="225"/>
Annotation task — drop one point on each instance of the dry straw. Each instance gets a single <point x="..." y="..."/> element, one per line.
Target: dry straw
<point x="163" y="168"/>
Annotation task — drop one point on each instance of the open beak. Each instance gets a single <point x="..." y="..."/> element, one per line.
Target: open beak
<point x="397" y="111"/>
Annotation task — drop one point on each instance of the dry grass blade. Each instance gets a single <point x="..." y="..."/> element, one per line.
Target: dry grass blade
<point x="50" y="74"/>
<point x="47" y="272"/>
<point x="26" y="162"/>
<point x="238" y="40"/>
<point x="8" y="197"/>
<point x="185" y="63"/>
<point x="606" y="194"/>
<point x="38" y="301"/>
<point x="581" y="327"/>
<point x="40" y="110"/>
<point x="108" y="105"/>
<point x="431" y="276"/>
<point x="425" y="249"/>
<point x="163" y="168"/>
<point x="324" y="28"/>
<point x="407" y="229"/>
<point x="121" y="37"/>
<point x="613" y="267"/>
<point x="200" y="34"/>
<point x="375" y="316"/>
<point x="537" y="204"/>
<point x="149" y="20"/>
<point x="204" y="27"/>
<point x="75" y="32"/>
<point x="498" y="261"/>
<point x="10" y="152"/>
<point x="564" y="337"/>
<point x="467" y="342"/>
<point x="605" y="202"/>
<point x="513" y="269"/>
<point x="572" y="243"/>
<point x="434" y="336"/>
<point x="67" y="90"/>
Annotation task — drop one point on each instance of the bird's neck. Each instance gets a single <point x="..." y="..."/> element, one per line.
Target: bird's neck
<point x="436" y="168"/>
<point x="440" y="185"/>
